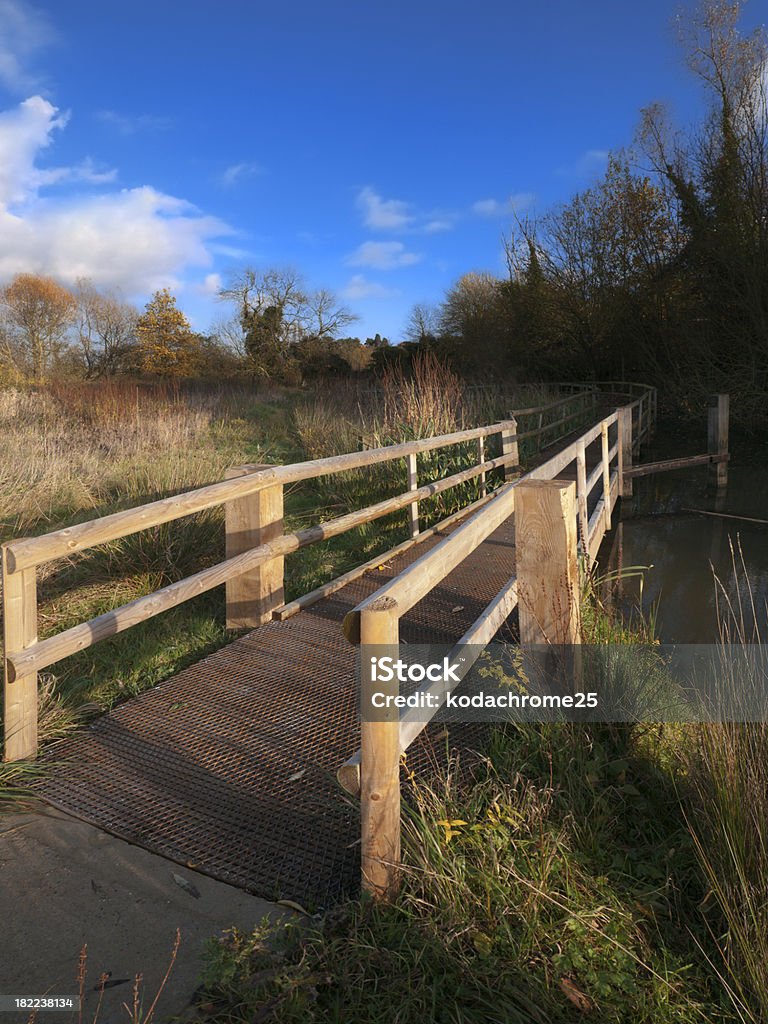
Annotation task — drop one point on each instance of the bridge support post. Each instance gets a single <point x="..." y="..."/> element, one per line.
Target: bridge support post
<point x="547" y="562"/>
<point x="379" y="757"/>
<point x="19" y="632"/>
<point x="509" y="446"/>
<point x="717" y="438"/>
<point x="250" y="521"/>
<point x="625" y="450"/>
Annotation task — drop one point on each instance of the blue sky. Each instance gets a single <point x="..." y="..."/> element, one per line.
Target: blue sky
<point x="379" y="149"/>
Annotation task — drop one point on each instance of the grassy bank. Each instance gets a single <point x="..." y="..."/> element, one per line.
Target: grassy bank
<point x="614" y="872"/>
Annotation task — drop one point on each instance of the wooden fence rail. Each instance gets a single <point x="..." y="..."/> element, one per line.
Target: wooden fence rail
<point x="553" y="523"/>
<point x="256" y="546"/>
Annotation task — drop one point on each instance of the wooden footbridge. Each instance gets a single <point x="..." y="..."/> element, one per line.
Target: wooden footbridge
<point x="231" y="766"/>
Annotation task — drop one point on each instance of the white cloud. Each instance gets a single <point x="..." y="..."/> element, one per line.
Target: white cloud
<point x="434" y="227"/>
<point x="359" y="287"/>
<point x="382" y="256"/>
<point x="23" y="31"/>
<point x="589" y="163"/>
<point x="236" y="173"/>
<point x="138" y="239"/>
<point x="209" y="287"/>
<point x="383" y="214"/>
<point x="132" y="124"/>
<point x="504" y="207"/>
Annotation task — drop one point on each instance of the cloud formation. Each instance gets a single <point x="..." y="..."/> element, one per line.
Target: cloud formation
<point x="383" y="214"/>
<point x="139" y="239"/>
<point x="132" y="124"/>
<point x="237" y="172"/>
<point x="359" y="287"/>
<point x="505" y="207"/>
<point x="22" y="33"/>
<point x="382" y="256"/>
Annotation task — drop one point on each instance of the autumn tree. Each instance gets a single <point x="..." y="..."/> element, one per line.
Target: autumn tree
<point x="165" y="343"/>
<point x="37" y="314"/>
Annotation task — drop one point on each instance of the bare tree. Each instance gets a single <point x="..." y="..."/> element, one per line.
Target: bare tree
<point x="106" y="329"/>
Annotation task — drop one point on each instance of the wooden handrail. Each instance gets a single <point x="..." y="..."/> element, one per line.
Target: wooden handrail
<point x="23" y="554"/>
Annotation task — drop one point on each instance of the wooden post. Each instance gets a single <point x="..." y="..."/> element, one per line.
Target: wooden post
<point x="481" y="457"/>
<point x="509" y="446"/>
<point x="581" y="496"/>
<point x="606" y="476"/>
<point x="19" y="632"/>
<point x="540" y="433"/>
<point x="625" y="450"/>
<point x="547" y="563"/>
<point x="719" y="409"/>
<point x="379" y="759"/>
<point x="250" y="521"/>
<point x="413" y="483"/>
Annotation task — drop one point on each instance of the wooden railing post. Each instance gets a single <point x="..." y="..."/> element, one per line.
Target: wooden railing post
<point x="606" y="475"/>
<point x="625" y="450"/>
<point x="250" y="521"/>
<point x="379" y="759"/>
<point x="481" y="457"/>
<point x="717" y="438"/>
<point x="581" y="498"/>
<point x="509" y="446"/>
<point x="547" y="562"/>
<point x="413" y="484"/>
<point x="19" y="632"/>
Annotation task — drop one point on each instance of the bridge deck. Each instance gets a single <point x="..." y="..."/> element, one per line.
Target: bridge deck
<point x="229" y="766"/>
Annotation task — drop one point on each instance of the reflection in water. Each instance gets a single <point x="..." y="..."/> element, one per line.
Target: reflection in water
<point x="690" y="553"/>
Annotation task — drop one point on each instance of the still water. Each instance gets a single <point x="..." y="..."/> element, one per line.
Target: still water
<point x="703" y="571"/>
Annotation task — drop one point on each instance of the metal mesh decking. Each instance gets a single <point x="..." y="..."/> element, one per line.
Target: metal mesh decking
<point x="229" y="767"/>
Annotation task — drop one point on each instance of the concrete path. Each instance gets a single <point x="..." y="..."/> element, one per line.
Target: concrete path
<point x="64" y="883"/>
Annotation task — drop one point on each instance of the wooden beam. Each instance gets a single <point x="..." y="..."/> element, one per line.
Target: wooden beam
<point x="481" y="460"/>
<point x="717" y="424"/>
<point x="625" y="451"/>
<point x="379" y="760"/>
<point x="306" y="600"/>
<point x="251" y="521"/>
<point x="547" y="564"/>
<point x="665" y="465"/>
<point x="606" y="462"/>
<point x="413" y="485"/>
<point x="581" y="498"/>
<point x="509" y="447"/>
<point x="20" y="691"/>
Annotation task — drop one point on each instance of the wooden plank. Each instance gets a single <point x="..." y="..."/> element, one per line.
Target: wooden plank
<point x="469" y="648"/>
<point x="47" y="652"/>
<point x="20" y="691"/>
<point x="665" y="465"/>
<point x="509" y="447"/>
<point x="718" y="440"/>
<point x="581" y="498"/>
<point x="416" y="581"/>
<point x="549" y="470"/>
<point x="606" y="463"/>
<point x="413" y="485"/>
<point x="547" y="564"/>
<point x="33" y="551"/>
<point x="379" y="762"/>
<point x="625" y="451"/>
<point x="481" y="460"/>
<point x="250" y="522"/>
<point x="306" y="600"/>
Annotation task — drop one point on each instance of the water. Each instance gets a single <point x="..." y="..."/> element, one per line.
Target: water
<point x="703" y="570"/>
